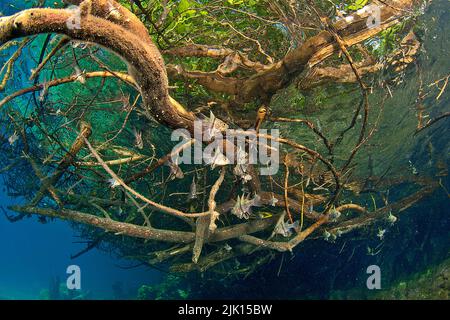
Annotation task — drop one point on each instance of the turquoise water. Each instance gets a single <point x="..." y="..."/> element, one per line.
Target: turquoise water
<point x="33" y="255"/>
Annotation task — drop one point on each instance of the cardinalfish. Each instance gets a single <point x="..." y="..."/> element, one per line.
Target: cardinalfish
<point x="13" y="138"/>
<point x="44" y="92"/>
<point x="241" y="168"/>
<point x="193" y="190"/>
<point x="218" y="159"/>
<point x="243" y="206"/>
<point x="273" y="201"/>
<point x="175" y="170"/>
<point x="138" y="142"/>
<point x="79" y="75"/>
<point x="285" y="228"/>
<point x="213" y="126"/>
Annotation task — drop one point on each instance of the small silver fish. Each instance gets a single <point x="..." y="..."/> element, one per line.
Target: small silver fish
<point x="380" y="233"/>
<point x="243" y="206"/>
<point x="138" y="142"/>
<point x="241" y="168"/>
<point x="413" y="169"/>
<point x="219" y="159"/>
<point x="175" y="170"/>
<point x="334" y="215"/>
<point x="193" y="190"/>
<point x="213" y="126"/>
<point x="285" y="228"/>
<point x="43" y="93"/>
<point x="391" y="218"/>
<point x="113" y="183"/>
<point x="13" y="138"/>
<point x="273" y="201"/>
<point x="79" y="75"/>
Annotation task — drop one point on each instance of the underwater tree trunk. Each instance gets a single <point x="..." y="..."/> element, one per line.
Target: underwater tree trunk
<point x="123" y="33"/>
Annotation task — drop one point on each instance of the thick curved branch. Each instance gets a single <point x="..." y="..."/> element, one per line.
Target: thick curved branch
<point x="397" y="60"/>
<point x="352" y="30"/>
<point x="125" y="37"/>
<point x="57" y="82"/>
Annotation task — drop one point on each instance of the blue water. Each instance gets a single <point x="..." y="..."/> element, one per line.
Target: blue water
<point x="32" y="253"/>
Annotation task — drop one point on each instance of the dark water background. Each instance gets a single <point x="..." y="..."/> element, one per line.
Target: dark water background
<point x="32" y="254"/>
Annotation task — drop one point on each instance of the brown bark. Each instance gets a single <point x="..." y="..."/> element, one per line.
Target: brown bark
<point x="264" y="84"/>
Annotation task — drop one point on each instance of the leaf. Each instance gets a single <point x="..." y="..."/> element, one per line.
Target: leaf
<point x="184" y="5"/>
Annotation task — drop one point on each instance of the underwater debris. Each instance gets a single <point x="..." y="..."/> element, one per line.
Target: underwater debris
<point x="243" y="206"/>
